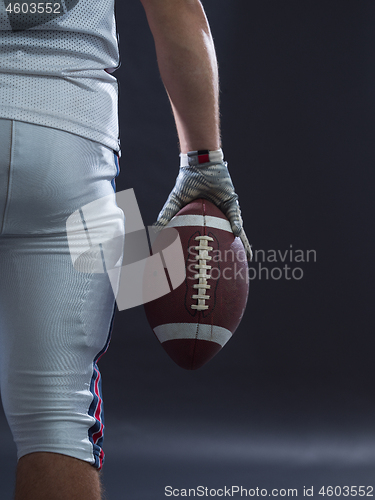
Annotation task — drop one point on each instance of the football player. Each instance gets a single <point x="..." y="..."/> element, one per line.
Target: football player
<point x="59" y="151"/>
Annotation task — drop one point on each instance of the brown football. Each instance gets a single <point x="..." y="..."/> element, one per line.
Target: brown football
<point x="195" y="320"/>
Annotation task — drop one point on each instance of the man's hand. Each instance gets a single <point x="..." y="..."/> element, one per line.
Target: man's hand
<point x="209" y="180"/>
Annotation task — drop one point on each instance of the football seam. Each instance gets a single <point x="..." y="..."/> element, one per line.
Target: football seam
<point x="195" y="346"/>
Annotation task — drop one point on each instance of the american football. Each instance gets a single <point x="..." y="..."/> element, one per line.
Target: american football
<point x="194" y="321"/>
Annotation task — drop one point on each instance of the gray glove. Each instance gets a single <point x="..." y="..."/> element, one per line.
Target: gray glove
<point x="204" y="174"/>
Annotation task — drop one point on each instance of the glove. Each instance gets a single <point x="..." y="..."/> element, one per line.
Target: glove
<point x="204" y="174"/>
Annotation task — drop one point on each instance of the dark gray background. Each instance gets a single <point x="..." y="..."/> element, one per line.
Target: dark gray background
<point x="289" y="401"/>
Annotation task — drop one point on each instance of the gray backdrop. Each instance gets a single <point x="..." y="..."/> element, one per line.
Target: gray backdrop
<point x="288" y="403"/>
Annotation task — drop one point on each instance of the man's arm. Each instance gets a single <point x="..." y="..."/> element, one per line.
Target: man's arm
<point x="188" y="67"/>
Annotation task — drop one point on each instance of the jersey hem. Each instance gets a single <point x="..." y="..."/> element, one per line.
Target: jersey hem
<point x="64" y="125"/>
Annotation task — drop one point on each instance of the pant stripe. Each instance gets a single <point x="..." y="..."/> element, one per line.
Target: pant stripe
<point x="96" y="432"/>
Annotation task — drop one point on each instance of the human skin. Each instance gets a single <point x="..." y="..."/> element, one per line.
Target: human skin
<point x="188" y="67"/>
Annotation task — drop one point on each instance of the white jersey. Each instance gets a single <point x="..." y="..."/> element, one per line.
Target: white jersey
<point x="55" y="60"/>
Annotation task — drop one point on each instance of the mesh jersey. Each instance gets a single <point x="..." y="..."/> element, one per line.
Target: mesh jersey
<point x="54" y="66"/>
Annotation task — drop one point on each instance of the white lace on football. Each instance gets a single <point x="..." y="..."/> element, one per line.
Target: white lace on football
<point x="202" y="275"/>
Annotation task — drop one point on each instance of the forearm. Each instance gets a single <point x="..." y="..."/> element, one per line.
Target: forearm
<point x="188" y="67"/>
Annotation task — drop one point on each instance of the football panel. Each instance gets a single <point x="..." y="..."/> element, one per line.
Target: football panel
<point x="203" y="207"/>
<point x="191" y="353"/>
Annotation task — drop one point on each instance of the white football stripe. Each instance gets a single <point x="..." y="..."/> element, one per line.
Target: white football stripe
<point x="211" y="333"/>
<point x="200" y="220"/>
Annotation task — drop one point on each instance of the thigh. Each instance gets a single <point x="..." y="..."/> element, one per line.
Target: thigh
<point x="54" y="320"/>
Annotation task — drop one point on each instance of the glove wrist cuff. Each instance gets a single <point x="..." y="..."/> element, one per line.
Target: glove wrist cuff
<point x="196" y="158"/>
